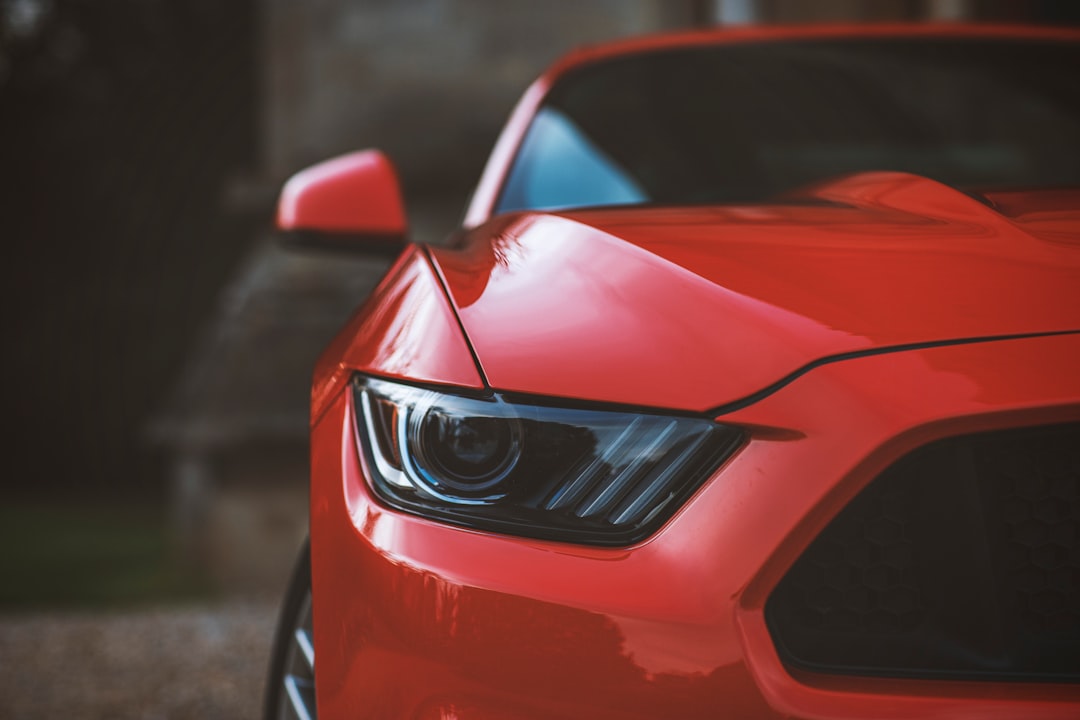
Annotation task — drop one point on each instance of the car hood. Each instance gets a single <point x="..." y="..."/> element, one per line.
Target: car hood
<point x="698" y="308"/>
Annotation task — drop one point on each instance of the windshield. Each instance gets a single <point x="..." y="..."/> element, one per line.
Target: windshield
<point x="748" y="122"/>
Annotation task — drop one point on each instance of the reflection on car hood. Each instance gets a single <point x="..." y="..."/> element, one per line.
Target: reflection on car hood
<point x="695" y="308"/>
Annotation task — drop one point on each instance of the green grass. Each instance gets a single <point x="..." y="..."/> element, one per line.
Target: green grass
<point x="88" y="557"/>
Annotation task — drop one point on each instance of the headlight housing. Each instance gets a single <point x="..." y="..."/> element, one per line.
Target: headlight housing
<point x="598" y="477"/>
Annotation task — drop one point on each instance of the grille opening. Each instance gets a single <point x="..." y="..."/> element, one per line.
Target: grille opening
<point x="960" y="561"/>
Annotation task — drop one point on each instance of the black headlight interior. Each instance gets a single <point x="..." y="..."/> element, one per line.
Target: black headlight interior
<point x="595" y="477"/>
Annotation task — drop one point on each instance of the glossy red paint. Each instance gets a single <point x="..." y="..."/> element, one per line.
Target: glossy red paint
<point x="694" y="308"/>
<point x="405" y="330"/>
<point x="1050" y="214"/>
<point x="690" y="309"/>
<point x="483" y="200"/>
<point x="356" y="193"/>
<point x="429" y="619"/>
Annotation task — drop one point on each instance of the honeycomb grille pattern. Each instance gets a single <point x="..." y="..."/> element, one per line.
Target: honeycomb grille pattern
<point x="1041" y="514"/>
<point x="861" y="577"/>
<point x="961" y="560"/>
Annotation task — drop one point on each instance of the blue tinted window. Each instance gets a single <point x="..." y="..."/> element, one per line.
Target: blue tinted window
<point x="559" y="167"/>
<point x="749" y="122"/>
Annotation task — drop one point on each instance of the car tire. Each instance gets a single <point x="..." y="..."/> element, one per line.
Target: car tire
<point x="290" y="684"/>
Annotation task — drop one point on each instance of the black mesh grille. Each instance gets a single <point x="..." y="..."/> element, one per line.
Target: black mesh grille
<point x="961" y="560"/>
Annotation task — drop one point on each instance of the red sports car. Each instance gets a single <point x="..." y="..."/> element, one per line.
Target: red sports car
<point x="749" y="387"/>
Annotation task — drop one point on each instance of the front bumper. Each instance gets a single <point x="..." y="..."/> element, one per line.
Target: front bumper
<point x="414" y="619"/>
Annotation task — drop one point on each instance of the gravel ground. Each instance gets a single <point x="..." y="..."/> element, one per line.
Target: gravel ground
<point x="169" y="664"/>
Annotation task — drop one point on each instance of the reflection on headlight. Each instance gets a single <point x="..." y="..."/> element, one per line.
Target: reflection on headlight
<point x="589" y="476"/>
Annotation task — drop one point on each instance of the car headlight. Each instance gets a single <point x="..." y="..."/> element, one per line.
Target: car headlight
<point x="598" y="477"/>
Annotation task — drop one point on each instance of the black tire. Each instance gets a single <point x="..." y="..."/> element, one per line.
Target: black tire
<point x="290" y="684"/>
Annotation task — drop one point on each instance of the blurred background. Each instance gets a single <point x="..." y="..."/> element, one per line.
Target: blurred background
<point x="158" y="344"/>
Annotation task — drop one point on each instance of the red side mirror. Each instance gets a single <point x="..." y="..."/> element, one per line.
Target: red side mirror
<point x="350" y="201"/>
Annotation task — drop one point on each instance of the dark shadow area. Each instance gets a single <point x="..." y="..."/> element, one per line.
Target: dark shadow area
<point x="121" y="124"/>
